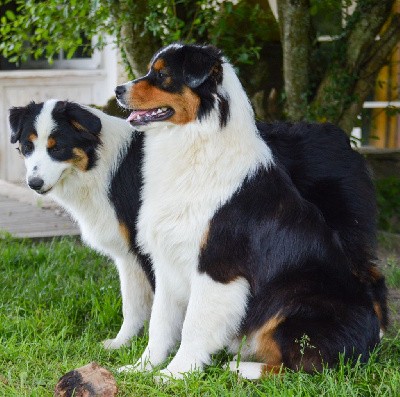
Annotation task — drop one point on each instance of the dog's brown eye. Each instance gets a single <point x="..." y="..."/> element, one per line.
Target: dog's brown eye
<point x="161" y="74"/>
<point x="57" y="148"/>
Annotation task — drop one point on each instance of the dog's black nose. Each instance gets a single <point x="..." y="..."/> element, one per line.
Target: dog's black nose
<point x="120" y="90"/>
<point x="35" y="183"/>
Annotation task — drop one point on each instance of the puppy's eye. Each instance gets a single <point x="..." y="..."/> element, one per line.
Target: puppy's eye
<point x="161" y="74"/>
<point x="57" y="149"/>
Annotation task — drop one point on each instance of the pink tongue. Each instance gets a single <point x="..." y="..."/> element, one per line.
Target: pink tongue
<point x="137" y="112"/>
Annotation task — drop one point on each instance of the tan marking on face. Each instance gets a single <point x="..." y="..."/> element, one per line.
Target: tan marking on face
<point x="32" y="137"/>
<point x="77" y="125"/>
<point x="159" y="64"/>
<point x="143" y="95"/>
<point x="268" y="349"/>
<point x="80" y="159"/>
<point x="51" y="142"/>
<point x="124" y="231"/>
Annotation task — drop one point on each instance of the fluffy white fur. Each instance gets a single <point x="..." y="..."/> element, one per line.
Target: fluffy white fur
<point x="189" y="172"/>
<point x="84" y="196"/>
<point x="248" y="370"/>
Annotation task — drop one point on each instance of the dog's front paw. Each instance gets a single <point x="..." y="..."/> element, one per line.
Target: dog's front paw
<point x="177" y="368"/>
<point x="116" y="343"/>
<point x="142" y="365"/>
<point x="139" y="366"/>
<point x="165" y="376"/>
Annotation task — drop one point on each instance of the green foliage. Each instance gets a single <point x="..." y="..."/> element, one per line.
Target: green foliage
<point x="244" y="29"/>
<point x="216" y="22"/>
<point x="60" y="299"/>
<point x="42" y="29"/>
<point x="388" y="198"/>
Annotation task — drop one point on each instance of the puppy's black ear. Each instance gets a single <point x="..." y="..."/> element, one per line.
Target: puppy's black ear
<point x="16" y="118"/>
<point x="200" y="63"/>
<point x="80" y="118"/>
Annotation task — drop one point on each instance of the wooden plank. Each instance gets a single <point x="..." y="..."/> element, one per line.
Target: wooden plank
<point x="25" y="220"/>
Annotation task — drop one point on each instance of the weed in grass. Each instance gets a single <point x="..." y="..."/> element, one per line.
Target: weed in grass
<point x="58" y="300"/>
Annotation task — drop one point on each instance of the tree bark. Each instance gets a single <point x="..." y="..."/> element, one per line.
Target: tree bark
<point x="348" y="82"/>
<point x="294" y="19"/>
<point x="369" y="18"/>
<point x="137" y="44"/>
<point x="379" y="56"/>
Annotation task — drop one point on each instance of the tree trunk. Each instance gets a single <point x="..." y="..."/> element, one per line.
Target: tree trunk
<point x="380" y="54"/>
<point x="348" y="82"/>
<point x="136" y="43"/>
<point x="294" y="19"/>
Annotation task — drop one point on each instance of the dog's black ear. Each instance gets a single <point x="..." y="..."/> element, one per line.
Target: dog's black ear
<point x="17" y="116"/>
<point x="200" y="63"/>
<point x="80" y="118"/>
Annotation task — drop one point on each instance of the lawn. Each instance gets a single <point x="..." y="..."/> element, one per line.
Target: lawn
<point x="59" y="299"/>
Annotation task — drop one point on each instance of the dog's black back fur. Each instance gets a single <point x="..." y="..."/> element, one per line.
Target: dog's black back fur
<point x="296" y="269"/>
<point x="334" y="177"/>
<point x="313" y="220"/>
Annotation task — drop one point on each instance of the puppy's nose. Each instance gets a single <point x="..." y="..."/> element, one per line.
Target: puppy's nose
<point x="119" y="91"/>
<point x="35" y="183"/>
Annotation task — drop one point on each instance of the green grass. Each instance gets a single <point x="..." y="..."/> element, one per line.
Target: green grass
<point x="58" y="300"/>
<point x="392" y="271"/>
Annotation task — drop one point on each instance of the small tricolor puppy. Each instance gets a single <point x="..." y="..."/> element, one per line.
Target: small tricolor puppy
<point x="90" y="164"/>
<point x="237" y="249"/>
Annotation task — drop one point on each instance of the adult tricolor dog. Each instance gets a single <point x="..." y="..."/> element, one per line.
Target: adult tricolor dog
<point x="247" y="239"/>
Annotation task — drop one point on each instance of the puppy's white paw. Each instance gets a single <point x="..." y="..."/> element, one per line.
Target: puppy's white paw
<point x="139" y="366"/>
<point x="116" y="343"/>
<point x="143" y="365"/>
<point x="165" y="376"/>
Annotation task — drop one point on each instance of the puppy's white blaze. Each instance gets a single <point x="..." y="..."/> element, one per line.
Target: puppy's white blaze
<point x="39" y="163"/>
<point x="189" y="172"/>
<point x="44" y="123"/>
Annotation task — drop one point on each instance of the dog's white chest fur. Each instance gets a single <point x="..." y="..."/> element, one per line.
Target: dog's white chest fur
<point x="187" y="177"/>
<point x="96" y="217"/>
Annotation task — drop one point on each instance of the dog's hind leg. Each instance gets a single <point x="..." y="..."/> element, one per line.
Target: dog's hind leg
<point x="137" y="297"/>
